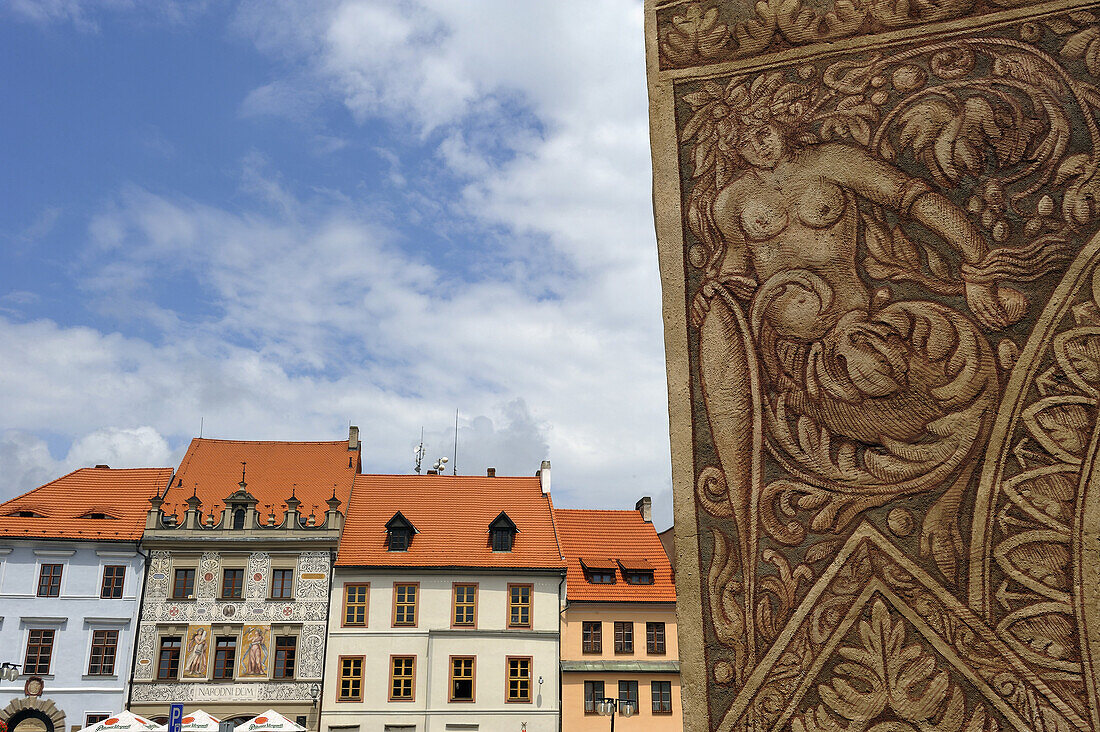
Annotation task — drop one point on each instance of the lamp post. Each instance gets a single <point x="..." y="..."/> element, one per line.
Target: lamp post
<point x="609" y="705"/>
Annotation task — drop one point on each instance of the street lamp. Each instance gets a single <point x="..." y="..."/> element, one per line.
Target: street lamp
<point x="608" y="705"/>
<point x="9" y="671"/>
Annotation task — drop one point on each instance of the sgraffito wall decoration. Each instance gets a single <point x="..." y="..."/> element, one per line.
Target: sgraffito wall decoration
<point x="877" y="227"/>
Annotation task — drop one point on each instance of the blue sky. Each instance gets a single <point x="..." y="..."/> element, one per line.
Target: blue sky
<point x="278" y="217"/>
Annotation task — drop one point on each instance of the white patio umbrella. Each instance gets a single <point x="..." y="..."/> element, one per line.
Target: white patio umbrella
<point x="199" y="721"/>
<point x="124" y="722"/>
<point x="269" y="721"/>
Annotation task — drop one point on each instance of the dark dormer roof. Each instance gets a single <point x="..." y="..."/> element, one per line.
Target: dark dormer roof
<point x="503" y="522"/>
<point x="399" y="522"/>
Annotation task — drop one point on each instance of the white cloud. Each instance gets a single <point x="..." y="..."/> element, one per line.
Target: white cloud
<point x="121" y="448"/>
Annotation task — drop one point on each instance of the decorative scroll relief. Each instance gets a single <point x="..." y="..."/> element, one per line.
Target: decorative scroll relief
<point x="259" y="571"/>
<point x="311" y="643"/>
<point x="156" y="584"/>
<point x="316" y="564"/>
<point x="206" y="583"/>
<point x="197" y="692"/>
<point x="145" y="652"/>
<point x="211" y="611"/>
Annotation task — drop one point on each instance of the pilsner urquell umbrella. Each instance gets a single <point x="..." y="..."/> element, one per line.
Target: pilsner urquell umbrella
<point x="199" y="721"/>
<point x="124" y="722"/>
<point x="269" y="721"/>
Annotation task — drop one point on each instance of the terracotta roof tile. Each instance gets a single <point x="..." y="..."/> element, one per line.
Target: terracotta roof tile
<point x="121" y="494"/>
<point x="272" y="470"/>
<point x="452" y="516"/>
<point x="609" y="539"/>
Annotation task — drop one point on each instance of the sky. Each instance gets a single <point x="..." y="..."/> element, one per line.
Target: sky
<point x="270" y="219"/>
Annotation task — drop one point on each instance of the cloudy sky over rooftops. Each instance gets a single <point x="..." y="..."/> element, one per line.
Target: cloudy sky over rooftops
<point x="281" y="217"/>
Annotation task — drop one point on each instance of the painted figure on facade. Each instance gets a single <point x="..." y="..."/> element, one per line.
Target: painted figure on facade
<point x="255" y="656"/>
<point x="198" y="640"/>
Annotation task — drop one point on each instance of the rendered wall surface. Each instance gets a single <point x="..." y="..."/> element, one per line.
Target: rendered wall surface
<point x="876" y="226"/>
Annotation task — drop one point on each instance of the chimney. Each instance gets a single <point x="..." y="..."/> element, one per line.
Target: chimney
<point x="353" y="437"/>
<point x="101" y="465"/>
<point x="544" y="476"/>
<point x="644" y="506"/>
<point x="433" y="472"/>
<point x="490" y="472"/>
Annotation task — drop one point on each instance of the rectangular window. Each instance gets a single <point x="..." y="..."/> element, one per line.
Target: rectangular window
<point x="102" y="660"/>
<point x="655" y="637"/>
<point x="465" y="606"/>
<point x="114" y="576"/>
<point x="519" y="606"/>
<point x="628" y="694"/>
<point x="282" y="584"/>
<point x="286" y="651"/>
<point x="183" y="584"/>
<point x="404" y="603"/>
<point x="624" y="637"/>
<point x="92" y="717"/>
<point x="351" y="678"/>
<point x="39" y="650"/>
<point x="49" y="580"/>
<point x="662" y="697"/>
<point x="402" y="677"/>
<point x="225" y="655"/>
<point x="462" y="678"/>
<point x="593" y="692"/>
<point x="592" y="636"/>
<point x="356" y="604"/>
<point x="232" y="584"/>
<point x="519" y="679"/>
<point x="168" y="663"/>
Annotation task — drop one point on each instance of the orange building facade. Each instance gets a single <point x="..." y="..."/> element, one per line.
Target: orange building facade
<point x="618" y="627"/>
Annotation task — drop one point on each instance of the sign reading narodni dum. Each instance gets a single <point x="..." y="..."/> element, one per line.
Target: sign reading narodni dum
<point x="877" y="229"/>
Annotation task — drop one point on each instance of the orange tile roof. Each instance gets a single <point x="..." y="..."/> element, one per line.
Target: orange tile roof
<point x="612" y="538"/>
<point x="212" y="468"/>
<point x="121" y="494"/>
<point x="452" y="516"/>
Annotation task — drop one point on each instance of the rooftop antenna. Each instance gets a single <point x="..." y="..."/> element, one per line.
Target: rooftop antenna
<point x="201" y="419"/>
<point x="454" y="464"/>
<point x="419" y="452"/>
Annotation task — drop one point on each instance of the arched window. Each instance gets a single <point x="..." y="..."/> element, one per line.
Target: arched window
<point x="238" y="518"/>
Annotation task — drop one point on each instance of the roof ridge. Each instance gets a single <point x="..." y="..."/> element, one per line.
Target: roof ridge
<point x="270" y="442"/>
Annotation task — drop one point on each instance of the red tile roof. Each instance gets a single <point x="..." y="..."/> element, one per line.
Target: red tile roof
<point x="122" y="495"/>
<point x="272" y="470"/>
<point x="610" y="538"/>
<point x="452" y="516"/>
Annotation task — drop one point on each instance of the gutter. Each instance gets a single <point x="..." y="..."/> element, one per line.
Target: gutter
<point x="137" y="627"/>
<point x="324" y="653"/>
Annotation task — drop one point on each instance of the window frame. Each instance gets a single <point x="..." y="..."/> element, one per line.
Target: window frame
<point x="624" y="636"/>
<point x="594" y="643"/>
<point x="35" y="670"/>
<point x="175" y="584"/>
<point x="51" y="589"/>
<point x="412" y="679"/>
<point x="92" y="653"/>
<point x="239" y="586"/>
<point x="651" y="628"/>
<point x="160" y="657"/>
<point x="508" y="679"/>
<point x="637" y="704"/>
<point x="530" y="605"/>
<point x="473" y="604"/>
<point x="415" y="606"/>
<point x="293" y="658"/>
<point x="271" y="590"/>
<point x="451" y="679"/>
<point x="653" y="696"/>
<point x="231" y="664"/>
<point x="366" y="605"/>
<point x="121" y="584"/>
<point x="340" y="678"/>
<point x="91" y="718"/>
<point x="591" y="684"/>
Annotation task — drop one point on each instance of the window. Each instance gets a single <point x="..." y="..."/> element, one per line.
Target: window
<point x="639" y="578"/>
<point x="662" y="697"/>
<point x="600" y="577"/>
<point x="599" y="571"/>
<point x="628" y="694"/>
<point x="519" y="679"/>
<point x="351" y="678"/>
<point x="232" y="584"/>
<point x="502" y="532"/>
<point x="49" y="580"/>
<point x="238" y="518"/>
<point x="399" y="533"/>
<point x="404" y="603"/>
<point x="624" y="637"/>
<point x="465" y="606"/>
<point x="92" y="717"/>
<point x="593" y="692"/>
<point x="402" y="677"/>
<point x="356" y="602"/>
<point x="502" y="540"/>
<point x="519" y="606"/>
<point x="655" y="637"/>
<point x="399" y="540"/>
<point x="114" y="577"/>
<point x="183" y="584"/>
<point x="168" y="664"/>
<point x="286" y="650"/>
<point x="592" y="636"/>
<point x="102" y="660"/>
<point x="39" y="650"/>
<point x="225" y="655"/>
<point x="282" y="584"/>
<point x="462" y="678"/>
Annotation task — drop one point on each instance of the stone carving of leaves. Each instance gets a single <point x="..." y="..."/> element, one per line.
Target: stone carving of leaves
<point x="1085" y="45"/>
<point x="1062" y="425"/>
<point x="696" y="36"/>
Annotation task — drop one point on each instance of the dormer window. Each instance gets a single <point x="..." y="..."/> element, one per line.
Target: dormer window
<point x="238" y="518"/>
<point x="96" y="515"/>
<point x="502" y="533"/>
<point x="399" y="533"/>
<point x="599" y="571"/>
<point x="26" y="514"/>
<point x="637" y="571"/>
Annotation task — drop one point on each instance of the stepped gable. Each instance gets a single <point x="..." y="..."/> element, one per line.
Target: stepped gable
<point x="451" y="517"/>
<point x="620" y="539"/>
<point x="120" y="496"/>
<point x="212" y="469"/>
